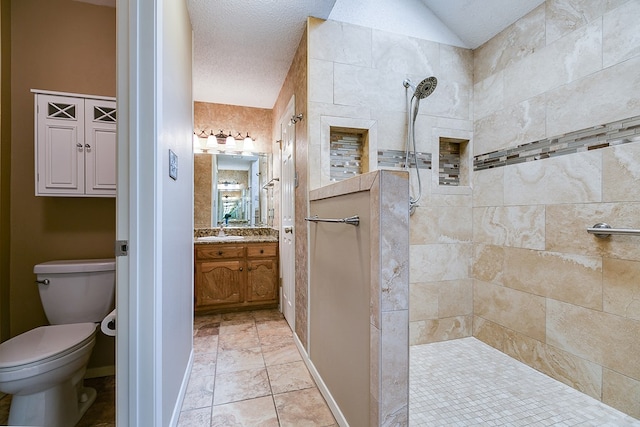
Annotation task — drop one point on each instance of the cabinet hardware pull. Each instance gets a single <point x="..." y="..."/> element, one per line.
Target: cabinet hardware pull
<point x="240" y="268"/>
<point x="78" y="145"/>
<point x="219" y="252"/>
<point x="87" y="146"/>
<point x="261" y="251"/>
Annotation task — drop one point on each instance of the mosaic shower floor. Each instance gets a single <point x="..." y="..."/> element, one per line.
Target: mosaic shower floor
<point x="466" y="383"/>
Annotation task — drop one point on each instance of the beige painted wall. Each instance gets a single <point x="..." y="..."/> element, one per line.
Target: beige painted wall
<point x="545" y="291"/>
<point x="231" y="118"/>
<point x="58" y="45"/>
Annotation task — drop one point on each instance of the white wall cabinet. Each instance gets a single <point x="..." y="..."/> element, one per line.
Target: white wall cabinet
<point x="75" y="145"/>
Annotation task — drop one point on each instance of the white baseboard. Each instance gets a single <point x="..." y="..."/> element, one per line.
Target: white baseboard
<point x="333" y="406"/>
<point x="101" y="371"/>
<point x="183" y="389"/>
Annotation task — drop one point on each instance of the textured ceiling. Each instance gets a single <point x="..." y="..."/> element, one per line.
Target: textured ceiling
<point x="243" y="49"/>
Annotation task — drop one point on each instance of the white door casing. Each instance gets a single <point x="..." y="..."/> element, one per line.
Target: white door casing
<point x="287" y="209"/>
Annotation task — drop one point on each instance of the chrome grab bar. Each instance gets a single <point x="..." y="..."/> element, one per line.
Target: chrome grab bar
<point x="603" y="230"/>
<point x="352" y="220"/>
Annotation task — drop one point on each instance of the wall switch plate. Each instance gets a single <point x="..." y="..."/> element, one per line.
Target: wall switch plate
<point x="173" y="165"/>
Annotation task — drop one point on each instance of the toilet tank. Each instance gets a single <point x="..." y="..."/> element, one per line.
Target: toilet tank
<point x="76" y="291"/>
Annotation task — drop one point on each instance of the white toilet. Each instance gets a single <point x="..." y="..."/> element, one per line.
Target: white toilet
<point x="44" y="368"/>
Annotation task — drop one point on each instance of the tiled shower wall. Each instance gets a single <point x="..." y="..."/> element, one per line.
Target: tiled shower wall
<point x="356" y="77"/>
<point x="545" y="291"/>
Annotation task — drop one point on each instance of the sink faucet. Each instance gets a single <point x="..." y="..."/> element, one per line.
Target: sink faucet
<point x="221" y="231"/>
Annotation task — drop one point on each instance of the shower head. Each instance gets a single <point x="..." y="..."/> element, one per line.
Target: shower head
<point x="424" y="88"/>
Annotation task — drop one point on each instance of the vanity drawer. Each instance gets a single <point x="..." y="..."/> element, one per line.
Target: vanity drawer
<point x="219" y="252"/>
<point x="262" y="250"/>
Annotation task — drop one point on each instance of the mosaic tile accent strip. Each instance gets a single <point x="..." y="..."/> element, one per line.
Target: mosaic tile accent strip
<point x="346" y="155"/>
<point x="395" y="159"/>
<point x="601" y="136"/>
<point x="449" y="167"/>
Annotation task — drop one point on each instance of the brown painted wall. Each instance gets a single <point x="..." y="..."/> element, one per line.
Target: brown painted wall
<point x="296" y="84"/>
<point x="5" y="162"/>
<point x="68" y="46"/>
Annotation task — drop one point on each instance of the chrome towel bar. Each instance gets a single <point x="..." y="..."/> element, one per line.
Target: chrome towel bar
<point x="604" y="230"/>
<point x="353" y="220"/>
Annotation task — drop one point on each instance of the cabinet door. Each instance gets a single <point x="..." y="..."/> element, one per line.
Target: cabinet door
<point x="262" y="280"/>
<point x="100" y="147"/>
<point x="59" y="145"/>
<point x="219" y="282"/>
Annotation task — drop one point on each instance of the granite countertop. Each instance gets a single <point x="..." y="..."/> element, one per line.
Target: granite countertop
<point x="237" y="235"/>
<point x="245" y="239"/>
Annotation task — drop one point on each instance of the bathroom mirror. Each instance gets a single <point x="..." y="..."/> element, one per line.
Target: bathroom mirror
<point x="229" y="189"/>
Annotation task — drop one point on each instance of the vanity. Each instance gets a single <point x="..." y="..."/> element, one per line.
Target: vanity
<point x="236" y="272"/>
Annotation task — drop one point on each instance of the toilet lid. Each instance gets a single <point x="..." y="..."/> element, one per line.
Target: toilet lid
<point x="43" y="342"/>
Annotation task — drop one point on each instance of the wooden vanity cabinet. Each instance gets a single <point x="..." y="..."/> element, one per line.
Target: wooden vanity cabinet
<point x="230" y="277"/>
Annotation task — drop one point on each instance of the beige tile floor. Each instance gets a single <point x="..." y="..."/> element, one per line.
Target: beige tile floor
<point x="247" y="371"/>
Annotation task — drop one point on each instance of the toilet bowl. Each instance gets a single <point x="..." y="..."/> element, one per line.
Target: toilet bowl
<point x="44" y="368"/>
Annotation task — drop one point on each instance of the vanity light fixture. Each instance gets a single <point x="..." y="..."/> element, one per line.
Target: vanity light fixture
<point x="203" y="140"/>
<point x="248" y="143"/>
<point x="220" y="137"/>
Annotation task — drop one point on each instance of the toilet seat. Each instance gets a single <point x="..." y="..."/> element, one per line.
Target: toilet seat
<point x="42" y="344"/>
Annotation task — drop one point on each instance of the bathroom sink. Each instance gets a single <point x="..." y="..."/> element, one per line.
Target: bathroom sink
<point x="219" y="238"/>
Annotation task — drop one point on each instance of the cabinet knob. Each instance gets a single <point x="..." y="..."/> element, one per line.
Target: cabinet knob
<point x="87" y="146"/>
<point x="240" y="268"/>
<point x="219" y="252"/>
<point x="261" y="251"/>
<point x="78" y="145"/>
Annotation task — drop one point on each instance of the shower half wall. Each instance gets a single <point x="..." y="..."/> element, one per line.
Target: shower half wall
<point x="358" y="313"/>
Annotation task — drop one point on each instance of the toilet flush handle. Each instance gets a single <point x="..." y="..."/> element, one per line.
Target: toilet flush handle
<point x="43" y="282"/>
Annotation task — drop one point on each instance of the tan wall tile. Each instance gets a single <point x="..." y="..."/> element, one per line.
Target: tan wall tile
<point x="620" y="173"/>
<point x="566" y="277"/>
<point x="499" y="130"/>
<point x="565" y="16"/>
<point x="566" y="179"/>
<point x="517" y="41"/>
<point x="436" y="330"/>
<point x="570" y="58"/>
<point x="607" y="339"/>
<point x="621" y="392"/>
<point x="520" y="311"/>
<point x="515" y="226"/>
<point x="567" y="229"/>
<point x="423" y="302"/>
<point x="488" y="187"/>
<point x="455" y="298"/>
<point x="609" y="95"/>
<point x="488" y="265"/>
<point x="434" y="263"/>
<point x="621" y="287"/>
<point x="440" y="224"/>
<point x="621" y="35"/>
<point x="571" y="370"/>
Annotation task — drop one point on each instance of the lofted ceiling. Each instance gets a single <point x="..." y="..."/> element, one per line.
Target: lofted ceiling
<point x="243" y="49"/>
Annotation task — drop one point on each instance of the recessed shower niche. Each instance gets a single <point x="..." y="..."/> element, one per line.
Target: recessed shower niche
<point x="453" y="162"/>
<point x="348" y="148"/>
<point x="348" y="151"/>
